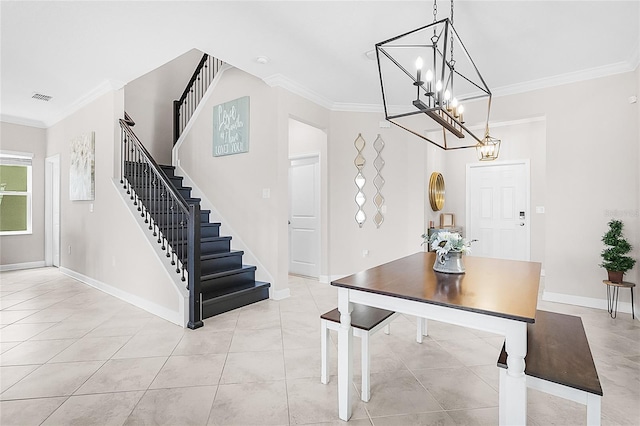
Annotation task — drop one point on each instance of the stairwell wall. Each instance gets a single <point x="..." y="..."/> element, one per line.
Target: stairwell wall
<point x="149" y="102"/>
<point x="234" y="184"/>
<point x="102" y="243"/>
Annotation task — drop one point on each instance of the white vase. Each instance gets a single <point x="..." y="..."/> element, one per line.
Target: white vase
<point x="450" y="263"/>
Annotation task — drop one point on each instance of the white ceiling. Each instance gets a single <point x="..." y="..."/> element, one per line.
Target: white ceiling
<point x="76" y="50"/>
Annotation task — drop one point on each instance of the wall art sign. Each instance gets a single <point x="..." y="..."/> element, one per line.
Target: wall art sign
<point x="231" y="127"/>
<point x="82" y="171"/>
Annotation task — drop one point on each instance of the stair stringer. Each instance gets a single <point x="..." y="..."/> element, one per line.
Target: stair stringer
<point x="262" y="274"/>
<point x="182" y="316"/>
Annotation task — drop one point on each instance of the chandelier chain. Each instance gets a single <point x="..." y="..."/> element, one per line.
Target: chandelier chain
<point x="452" y="60"/>
<point x="435" y="15"/>
<point x="451" y="12"/>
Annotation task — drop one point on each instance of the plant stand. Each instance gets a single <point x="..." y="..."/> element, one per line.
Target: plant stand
<point x="612" y="297"/>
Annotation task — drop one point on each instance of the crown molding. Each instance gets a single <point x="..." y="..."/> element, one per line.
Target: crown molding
<point x="21" y="121"/>
<point x="346" y="107"/>
<point x="568" y="78"/>
<point x="100" y="90"/>
<point x="612" y="69"/>
<point x="280" y="80"/>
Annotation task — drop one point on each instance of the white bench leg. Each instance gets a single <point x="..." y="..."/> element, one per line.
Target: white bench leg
<point x="366" y="358"/>
<point x="593" y="409"/>
<point x="422" y="329"/>
<point x="324" y="338"/>
<point x="501" y="396"/>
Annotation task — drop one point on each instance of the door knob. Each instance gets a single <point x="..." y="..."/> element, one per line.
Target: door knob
<point x="521" y="223"/>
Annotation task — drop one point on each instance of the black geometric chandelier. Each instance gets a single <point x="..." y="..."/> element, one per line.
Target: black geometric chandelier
<point x="432" y="88"/>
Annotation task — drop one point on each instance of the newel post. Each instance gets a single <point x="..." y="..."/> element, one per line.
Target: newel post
<point x="193" y="267"/>
<point x="176" y="121"/>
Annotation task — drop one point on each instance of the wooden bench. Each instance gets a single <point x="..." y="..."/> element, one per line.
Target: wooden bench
<point x="365" y="322"/>
<point x="559" y="362"/>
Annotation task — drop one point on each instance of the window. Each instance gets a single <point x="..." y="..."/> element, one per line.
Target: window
<point x="15" y="193"/>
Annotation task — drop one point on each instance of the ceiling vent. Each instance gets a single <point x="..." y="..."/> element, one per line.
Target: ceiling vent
<point x="41" y="97"/>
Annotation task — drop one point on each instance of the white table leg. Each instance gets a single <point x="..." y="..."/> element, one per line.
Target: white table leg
<point x="422" y="329"/>
<point x="366" y="370"/>
<point x="324" y="351"/>
<point x="513" y="384"/>
<point x="345" y="355"/>
<point x="593" y="409"/>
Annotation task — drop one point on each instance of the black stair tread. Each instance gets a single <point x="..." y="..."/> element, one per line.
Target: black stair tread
<point x="245" y="268"/>
<point x="223" y="254"/>
<point x="213" y="297"/>
<point x="201" y="211"/>
<point x="188" y="200"/>
<point x="209" y="225"/>
<point x="202" y="225"/>
<point x="205" y="240"/>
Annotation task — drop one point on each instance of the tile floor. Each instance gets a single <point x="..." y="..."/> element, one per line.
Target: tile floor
<point x="71" y="354"/>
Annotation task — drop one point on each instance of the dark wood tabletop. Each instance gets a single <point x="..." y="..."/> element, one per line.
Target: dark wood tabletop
<point x="497" y="287"/>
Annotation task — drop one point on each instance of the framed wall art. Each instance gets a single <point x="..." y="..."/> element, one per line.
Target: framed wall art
<point x="82" y="170"/>
<point x="231" y="127"/>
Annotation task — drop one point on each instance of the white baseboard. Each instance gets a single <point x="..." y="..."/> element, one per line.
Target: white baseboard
<point x="155" y="309"/>
<point x="279" y="294"/>
<point x="588" y="302"/>
<point x="25" y="265"/>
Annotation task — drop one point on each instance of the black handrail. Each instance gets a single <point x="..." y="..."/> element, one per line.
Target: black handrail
<point x="184" y="107"/>
<point x="194" y="77"/>
<point x="175" y="222"/>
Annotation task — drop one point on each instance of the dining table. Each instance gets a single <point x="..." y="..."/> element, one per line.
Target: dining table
<point x="494" y="295"/>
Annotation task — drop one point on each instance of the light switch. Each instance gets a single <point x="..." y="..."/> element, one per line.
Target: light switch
<point x="266" y="193"/>
<point x="540" y="209"/>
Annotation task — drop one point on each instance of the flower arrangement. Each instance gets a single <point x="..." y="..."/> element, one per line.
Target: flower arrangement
<point x="444" y="242"/>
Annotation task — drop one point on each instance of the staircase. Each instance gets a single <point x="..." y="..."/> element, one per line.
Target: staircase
<point x="225" y="283"/>
<point x="216" y="278"/>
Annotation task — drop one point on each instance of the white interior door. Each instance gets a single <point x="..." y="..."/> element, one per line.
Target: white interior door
<point x="304" y="216"/>
<point x="498" y="213"/>
<point x="52" y="211"/>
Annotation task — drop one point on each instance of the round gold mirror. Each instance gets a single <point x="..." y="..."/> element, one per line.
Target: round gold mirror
<point x="436" y="191"/>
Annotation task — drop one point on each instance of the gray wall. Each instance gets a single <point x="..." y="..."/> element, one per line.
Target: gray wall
<point x="21" y="249"/>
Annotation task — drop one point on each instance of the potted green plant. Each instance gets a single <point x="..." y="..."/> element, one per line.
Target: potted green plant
<point x="614" y="258"/>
